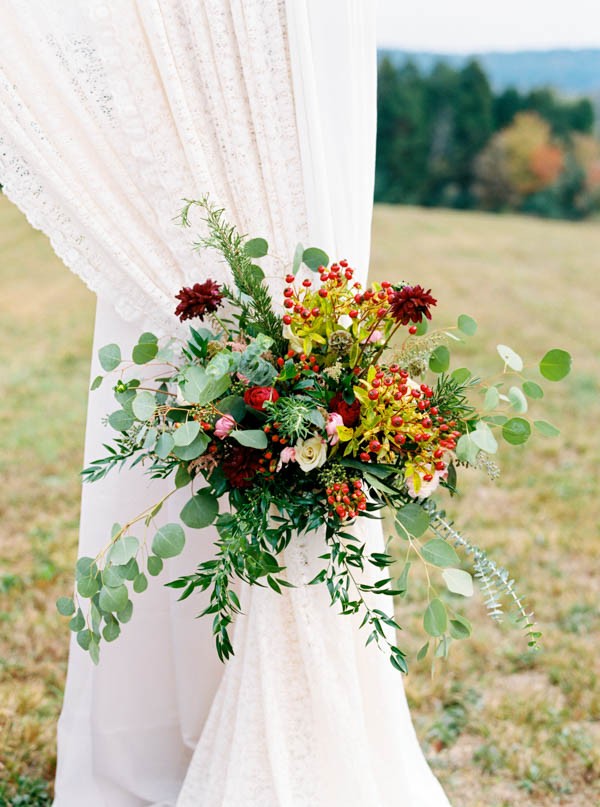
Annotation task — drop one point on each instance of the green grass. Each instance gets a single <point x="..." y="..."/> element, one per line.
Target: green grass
<point x="501" y="727"/>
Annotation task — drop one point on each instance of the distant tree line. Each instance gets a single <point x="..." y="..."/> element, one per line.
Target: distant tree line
<point x="445" y="138"/>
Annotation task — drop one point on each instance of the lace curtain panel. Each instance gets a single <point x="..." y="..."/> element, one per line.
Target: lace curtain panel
<point x="110" y="113"/>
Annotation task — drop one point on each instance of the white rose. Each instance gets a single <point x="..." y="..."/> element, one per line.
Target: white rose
<point x="311" y="453"/>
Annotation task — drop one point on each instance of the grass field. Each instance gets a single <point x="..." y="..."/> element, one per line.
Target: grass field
<point x="500" y="726"/>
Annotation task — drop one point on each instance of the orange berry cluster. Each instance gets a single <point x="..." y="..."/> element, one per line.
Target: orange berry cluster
<point x="346" y="500"/>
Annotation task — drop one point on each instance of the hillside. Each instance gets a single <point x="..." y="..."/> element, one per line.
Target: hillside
<point x="573" y="72"/>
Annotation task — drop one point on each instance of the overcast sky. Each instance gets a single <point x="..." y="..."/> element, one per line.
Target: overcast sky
<point x="474" y="25"/>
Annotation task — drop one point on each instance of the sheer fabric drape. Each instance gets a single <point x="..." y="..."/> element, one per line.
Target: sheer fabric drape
<point x="125" y="107"/>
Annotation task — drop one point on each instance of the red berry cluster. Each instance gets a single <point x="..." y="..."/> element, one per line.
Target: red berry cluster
<point x="338" y="275"/>
<point x="346" y="500"/>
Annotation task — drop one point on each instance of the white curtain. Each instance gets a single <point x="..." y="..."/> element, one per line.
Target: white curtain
<point x="110" y="113"/>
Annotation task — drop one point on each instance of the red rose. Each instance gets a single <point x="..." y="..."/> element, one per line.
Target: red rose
<point x="256" y="396"/>
<point x="350" y="412"/>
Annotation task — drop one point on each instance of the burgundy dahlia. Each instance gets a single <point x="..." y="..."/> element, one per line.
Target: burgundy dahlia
<point x="350" y="413"/>
<point x="240" y="465"/>
<point x="411" y="303"/>
<point x="198" y="300"/>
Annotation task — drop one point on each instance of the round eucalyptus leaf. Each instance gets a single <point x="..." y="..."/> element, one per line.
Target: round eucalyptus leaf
<point x="168" y="541"/>
<point x="88" y="586"/>
<point x="518" y="400"/>
<point x="147" y="337"/>
<point x="483" y="438"/>
<point x="78" y="622"/>
<point x="155" y="565"/>
<point x="435" y="619"/>
<point x="545" y="428"/>
<point x="113" y="575"/>
<point x="252" y="438"/>
<point x="186" y="433"/>
<point x="144" y="352"/>
<point x="164" y="445"/>
<point x="124" y="615"/>
<point x="510" y="358"/>
<point x="143" y="405"/>
<point x="314" y="257"/>
<point x="461" y="374"/>
<point x="556" y="364"/>
<point x="113" y="599"/>
<point x="491" y="399"/>
<point x="182" y="476"/>
<point x="439" y="553"/>
<point x="516" y="431"/>
<point x="112" y="629"/>
<point x="131" y="569"/>
<point x="439" y="361"/>
<point x="411" y="519"/>
<point x="110" y="357"/>
<point x="85" y="567"/>
<point x="467" y="325"/>
<point x="123" y="549"/>
<point x="422" y="327"/>
<point x="201" y="510"/>
<point x="460" y="627"/>
<point x="140" y="583"/>
<point x="84" y="637"/>
<point x="466" y="449"/>
<point x="120" y="420"/>
<point x="533" y="390"/>
<point x="65" y="606"/>
<point x="256" y="248"/>
<point x="458" y="582"/>
<point x="195" y="449"/>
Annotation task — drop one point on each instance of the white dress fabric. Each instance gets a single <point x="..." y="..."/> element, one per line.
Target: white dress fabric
<point x="110" y="112"/>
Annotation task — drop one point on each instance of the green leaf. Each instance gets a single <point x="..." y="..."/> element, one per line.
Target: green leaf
<point x="114" y="575"/>
<point x="155" y="565"/>
<point x="201" y="510"/>
<point x="467" y="325"/>
<point x="533" y="390"/>
<point x="120" y="420"/>
<point x="422" y="327"/>
<point x="87" y="586"/>
<point x="298" y="253"/>
<point x="491" y="399"/>
<point x="413" y="519"/>
<point x="314" y="257"/>
<point x="460" y="627"/>
<point x="402" y="582"/>
<point x="65" y="606"/>
<point x="124" y="615"/>
<point x="147" y="338"/>
<point x="510" y="358"/>
<point x="197" y="447"/>
<point x="182" y="477"/>
<point x="545" y="428"/>
<point x="113" y="598"/>
<point x="131" y="569"/>
<point x="439" y="553"/>
<point x="423" y="652"/>
<point x="461" y="374"/>
<point x="144" y="352"/>
<point x="78" y="621"/>
<point x="140" y="583"/>
<point x="186" y="433"/>
<point x="483" y="438"/>
<point x="200" y="388"/>
<point x="439" y="361"/>
<point x="458" y="582"/>
<point x="435" y="619"/>
<point x="466" y="449"/>
<point x="233" y="405"/>
<point x="256" y="248"/>
<point x="143" y="405"/>
<point x="96" y="383"/>
<point x="84" y="637"/>
<point x="164" y="445"/>
<point x="85" y="567"/>
<point x="123" y="549"/>
<point x="168" y="541"/>
<point x="112" y="629"/>
<point x="252" y="438"/>
<point x="556" y="364"/>
<point x="110" y="357"/>
<point x="518" y="400"/>
<point x="516" y="431"/>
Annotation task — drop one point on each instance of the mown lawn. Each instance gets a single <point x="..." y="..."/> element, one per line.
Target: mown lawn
<point x="500" y="726"/>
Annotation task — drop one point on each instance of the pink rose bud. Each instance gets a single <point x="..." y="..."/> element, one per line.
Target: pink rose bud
<point x="376" y="336"/>
<point x="287" y="455"/>
<point x="223" y="426"/>
<point x="333" y="421"/>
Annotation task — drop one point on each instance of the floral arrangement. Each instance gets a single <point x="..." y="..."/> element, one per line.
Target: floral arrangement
<point x="339" y="408"/>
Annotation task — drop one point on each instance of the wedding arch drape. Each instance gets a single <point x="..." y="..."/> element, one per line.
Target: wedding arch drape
<point x="110" y="113"/>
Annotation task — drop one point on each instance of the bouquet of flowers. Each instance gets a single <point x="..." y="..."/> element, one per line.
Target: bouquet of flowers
<point x="339" y="408"/>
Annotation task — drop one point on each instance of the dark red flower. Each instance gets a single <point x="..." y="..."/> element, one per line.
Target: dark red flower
<point x="240" y="465"/>
<point x="198" y="300"/>
<point x="350" y="412"/>
<point x="411" y="303"/>
<point x="256" y="396"/>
